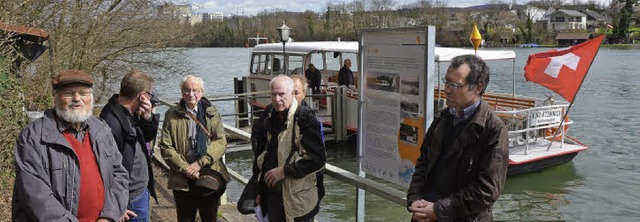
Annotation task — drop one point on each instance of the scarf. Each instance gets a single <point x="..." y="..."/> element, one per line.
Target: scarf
<point x="201" y="135"/>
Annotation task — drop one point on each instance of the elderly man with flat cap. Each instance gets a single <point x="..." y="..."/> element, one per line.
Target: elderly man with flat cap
<point x="68" y="167"/>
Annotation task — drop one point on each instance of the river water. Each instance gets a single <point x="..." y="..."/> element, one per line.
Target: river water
<point x="600" y="184"/>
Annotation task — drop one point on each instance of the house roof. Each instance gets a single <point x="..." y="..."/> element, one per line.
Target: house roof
<point x="570" y="12"/>
<point x="571" y="36"/>
<point x="595" y="15"/>
<point x="28" y="32"/>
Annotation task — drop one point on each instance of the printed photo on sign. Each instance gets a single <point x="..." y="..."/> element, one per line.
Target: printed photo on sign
<point x="408" y="134"/>
<point x="408" y="110"/>
<point x="410" y="87"/>
<point x="383" y="81"/>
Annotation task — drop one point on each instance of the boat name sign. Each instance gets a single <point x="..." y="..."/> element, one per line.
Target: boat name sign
<point x="544" y="117"/>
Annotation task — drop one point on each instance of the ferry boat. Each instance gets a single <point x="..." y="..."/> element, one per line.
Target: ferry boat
<point x="253" y="41"/>
<point x="532" y="122"/>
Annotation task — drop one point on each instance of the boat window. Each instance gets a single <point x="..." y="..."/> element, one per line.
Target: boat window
<point x="354" y="60"/>
<point x="276" y="67"/>
<point x="258" y="63"/>
<point x="296" y="65"/>
<point x="335" y="63"/>
<point x="316" y="60"/>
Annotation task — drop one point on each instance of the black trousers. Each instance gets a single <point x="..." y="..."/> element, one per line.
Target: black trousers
<point x="275" y="208"/>
<point x="187" y="203"/>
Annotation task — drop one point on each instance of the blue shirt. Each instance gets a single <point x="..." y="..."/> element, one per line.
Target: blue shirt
<point x="467" y="112"/>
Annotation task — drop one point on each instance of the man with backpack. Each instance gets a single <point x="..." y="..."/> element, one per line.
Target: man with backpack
<point x="290" y="152"/>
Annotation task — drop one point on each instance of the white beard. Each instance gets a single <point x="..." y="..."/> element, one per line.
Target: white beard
<point x="75" y="116"/>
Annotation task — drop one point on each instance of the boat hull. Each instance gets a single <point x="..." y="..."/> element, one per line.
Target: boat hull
<point x="540" y="164"/>
<point x="540" y="156"/>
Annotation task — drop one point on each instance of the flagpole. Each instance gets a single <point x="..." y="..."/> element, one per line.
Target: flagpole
<point x="574" y="98"/>
<point x="555" y="133"/>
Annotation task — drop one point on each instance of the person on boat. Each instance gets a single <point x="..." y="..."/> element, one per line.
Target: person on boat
<point x="129" y="115"/>
<point x="68" y="167"/>
<point x="288" y="139"/>
<point x="463" y="160"/>
<point x="276" y="66"/>
<point x="192" y="139"/>
<point x="299" y="88"/>
<point x="314" y="77"/>
<point x="345" y="75"/>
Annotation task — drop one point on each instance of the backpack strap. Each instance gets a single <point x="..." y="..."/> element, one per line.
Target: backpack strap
<point x="302" y="111"/>
<point x="294" y="145"/>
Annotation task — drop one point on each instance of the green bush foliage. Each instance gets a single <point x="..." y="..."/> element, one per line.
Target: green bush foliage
<point x="12" y="116"/>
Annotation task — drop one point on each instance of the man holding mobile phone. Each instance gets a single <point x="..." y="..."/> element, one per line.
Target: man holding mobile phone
<point x="129" y="114"/>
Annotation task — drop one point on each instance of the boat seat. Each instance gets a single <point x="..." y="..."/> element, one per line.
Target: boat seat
<point x="498" y="102"/>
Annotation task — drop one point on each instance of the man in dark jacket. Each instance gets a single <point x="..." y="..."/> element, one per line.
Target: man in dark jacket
<point x="129" y="116"/>
<point x="345" y="75"/>
<point x="287" y="141"/>
<point x="68" y="167"/>
<point x="314" y="77"/>
<point x="463" y="160"/>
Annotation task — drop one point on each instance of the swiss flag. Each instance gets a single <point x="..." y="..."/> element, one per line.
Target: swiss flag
<point x="563" y="70"/>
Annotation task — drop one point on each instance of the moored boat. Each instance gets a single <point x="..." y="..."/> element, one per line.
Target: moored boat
<point x="257" y="40"/>
<point x="532" y="122"/>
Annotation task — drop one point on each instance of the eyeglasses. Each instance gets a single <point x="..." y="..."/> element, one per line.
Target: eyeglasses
<point x="151" y="95"/>
<point x="152" y="98"/>
<point x="189" y="91"/>
<point x="71" y="94"/>
<point x="452" y="85"/>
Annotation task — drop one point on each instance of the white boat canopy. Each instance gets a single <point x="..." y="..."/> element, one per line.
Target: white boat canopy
<point x="443" y="54"/>
<point x="308" y="47"/>
<point x="447" y="54"/>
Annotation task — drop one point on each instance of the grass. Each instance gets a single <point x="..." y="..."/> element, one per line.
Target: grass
<point x="6" y="192"/>
<point x="621" y="46"/>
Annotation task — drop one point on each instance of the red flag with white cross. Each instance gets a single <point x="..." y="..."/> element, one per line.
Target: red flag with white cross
<point x="563" y="70"/>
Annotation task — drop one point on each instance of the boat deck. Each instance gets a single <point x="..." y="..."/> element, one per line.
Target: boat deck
<point x="538" y="150"/>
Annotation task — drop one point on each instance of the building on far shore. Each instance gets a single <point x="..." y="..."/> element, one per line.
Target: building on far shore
<point x="569" y="39"/>
<point x="180" y="11"/>
<point x="184" y="13"/>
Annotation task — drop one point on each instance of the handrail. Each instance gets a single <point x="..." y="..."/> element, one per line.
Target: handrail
<point x="532" y="109"/>
<point x="382" y="190"/>
<point x="394" y="195"/>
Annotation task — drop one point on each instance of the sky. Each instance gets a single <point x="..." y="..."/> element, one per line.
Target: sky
<point x="252" y="7"/>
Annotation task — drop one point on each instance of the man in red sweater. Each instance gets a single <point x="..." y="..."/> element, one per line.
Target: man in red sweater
<point x="68" y="167"/>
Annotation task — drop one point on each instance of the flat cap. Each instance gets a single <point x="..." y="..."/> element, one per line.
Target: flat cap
<point x="67" y="77"/>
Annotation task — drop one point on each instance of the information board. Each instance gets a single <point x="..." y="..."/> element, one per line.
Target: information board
<point x="397" y="99"/>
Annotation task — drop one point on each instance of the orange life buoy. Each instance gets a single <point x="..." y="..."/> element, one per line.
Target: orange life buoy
<point x="549" y="132"/>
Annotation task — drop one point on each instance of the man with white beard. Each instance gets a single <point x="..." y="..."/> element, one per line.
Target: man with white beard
<point x="68" y="167"/>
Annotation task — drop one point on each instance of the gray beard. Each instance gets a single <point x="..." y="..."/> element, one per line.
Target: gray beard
<point x="75" y="116"/>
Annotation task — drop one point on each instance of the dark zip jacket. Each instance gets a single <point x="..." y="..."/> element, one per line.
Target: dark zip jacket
<point x="462" y="170"/>
<point x="145" y="131"/>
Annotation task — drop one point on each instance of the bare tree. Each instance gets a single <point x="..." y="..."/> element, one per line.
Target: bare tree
<point x="624" y="9"/>
<point x="383" y="11"/>
<point x="547" y="3"/>
<point x="106" y="38"/>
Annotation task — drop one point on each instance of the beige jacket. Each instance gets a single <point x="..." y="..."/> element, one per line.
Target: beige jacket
<point x="175" y="142"/>
<point x="299" y="195"/>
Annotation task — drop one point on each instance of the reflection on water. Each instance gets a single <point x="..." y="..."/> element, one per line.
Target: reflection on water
<point x="536" y="196"/>
<point x="530" y="197"/>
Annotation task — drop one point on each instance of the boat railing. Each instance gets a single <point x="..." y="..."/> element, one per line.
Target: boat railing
<point x="531" y="125"/>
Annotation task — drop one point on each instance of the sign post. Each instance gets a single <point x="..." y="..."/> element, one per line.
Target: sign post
<point x="396" y="91"/>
